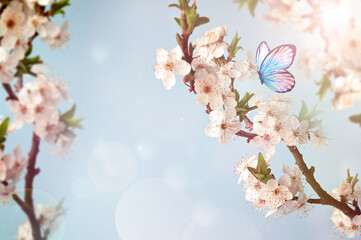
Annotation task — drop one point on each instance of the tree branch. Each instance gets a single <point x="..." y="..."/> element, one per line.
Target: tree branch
<point x="325" y="198"/>
<point x="9" y="90"/>
<point x="29" y="180"/>
<point x="35" y="224"/>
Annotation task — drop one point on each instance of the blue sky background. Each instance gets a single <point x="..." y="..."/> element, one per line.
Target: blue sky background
<point x="142" y="168"/>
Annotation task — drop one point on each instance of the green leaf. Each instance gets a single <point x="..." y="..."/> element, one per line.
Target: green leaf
<point x="237" y="95"/>
<point x="4" y="127"/>
<point x="58" y="7"/>
<point x="262" y="163"/>
<point x="175" y="5"/>
<point x="252" y="6"/>
<point x="179" y="39"/>
<point x="70" y="113"/>
<point x="356" y="119"/>
<point x="233" y="48"/>
<point x="179" y="22"/>
<point x="74" y="122"/>
<point x="202" y="20"/>
<point x="241" y="3"/>
<point x="324" y="84"/>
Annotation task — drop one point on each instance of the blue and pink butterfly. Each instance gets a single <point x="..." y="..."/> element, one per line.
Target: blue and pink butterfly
<point x="272" y="66"/>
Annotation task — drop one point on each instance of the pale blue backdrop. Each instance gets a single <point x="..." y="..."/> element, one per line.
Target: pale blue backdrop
<point x="159" y="176"/>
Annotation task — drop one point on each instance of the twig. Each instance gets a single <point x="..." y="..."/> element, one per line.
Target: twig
<point x="35" y="224"/>
<point x="9" y="90"/>
<point x="326" y="198"/>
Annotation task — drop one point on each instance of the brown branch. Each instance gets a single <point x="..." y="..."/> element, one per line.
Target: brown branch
<point x="312" y="200"/>
<point x="9" y="90"/>
<point x="34" y="222"/>
<point x="326" y="198"/>
<point x="247" y="135"/>
<point x="185" y="38"/>
<point x="19" y="83"/>
<point x="29" y="180"/>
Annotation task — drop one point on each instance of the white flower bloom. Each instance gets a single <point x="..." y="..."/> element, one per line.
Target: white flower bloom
<point x="223" y="125"/>
<point x="318" y="138"/>
<point x="49" y="126"/>
<point x="344" y="224"/>
<point x="6" y="67"/>
<point x="293" y="179"/>
<point x="169" y="64"/>
<point x="284" y="11"/>
<point x="63" y="146"/>
<point x="347" y="91"/>
<point x="11" y="23"/>
<point x="247" y="68"/>
<point x="226" y="72"/>
<point x="296" y="132"/>
<point x="253" y="194"/>
<point x="275" y="195"/>
<point x="229" y="99"/>
<point x="344" y="190"/>
<point x="208" y="90"/>
<point x="55" y="36"/>
<point x="301" y="206"/>
<point x="242" y="168"/>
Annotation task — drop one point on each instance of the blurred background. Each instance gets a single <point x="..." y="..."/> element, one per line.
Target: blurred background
<point x="142" y="168"/>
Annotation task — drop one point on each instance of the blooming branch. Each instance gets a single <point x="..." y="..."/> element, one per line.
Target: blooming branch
<point x="211" y="75"/>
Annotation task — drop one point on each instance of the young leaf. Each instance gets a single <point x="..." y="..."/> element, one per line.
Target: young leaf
<point x="58" y="7"/>
<point x="252" y="6"/>
<point x="70" y="113"/>
<point x="174" y="5"/>
<point x="324" y="84"/>
<point x="356" y="119"/>
<point x="202" y="20"/>
<point x="4" y="127"/>
<point x="262" y="163"/>
<point x="179" y="39"/>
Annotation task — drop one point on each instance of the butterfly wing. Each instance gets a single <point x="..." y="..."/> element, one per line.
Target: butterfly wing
<point x="280" y="81"/>
<point x="262" y="52"/>
<point x="273" y="71"/>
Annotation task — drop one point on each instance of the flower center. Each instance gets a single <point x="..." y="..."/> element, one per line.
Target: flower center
<point x="168" y="66"/>
<point x="223" y="126"/>
<point x="207" y="89"/>
<point x="10" y="23"/>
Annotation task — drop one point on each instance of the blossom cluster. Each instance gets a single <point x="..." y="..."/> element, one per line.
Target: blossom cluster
<point x="34" y="101"/>
<point x="11" y="168"/>
<point x="274" y="196"/>
<point x="349" y="193"/>
<point x="274" y="123"/>
<point x="48" y="217"/>
<point x="339" y="59"/>
<point x="210" y="74"/>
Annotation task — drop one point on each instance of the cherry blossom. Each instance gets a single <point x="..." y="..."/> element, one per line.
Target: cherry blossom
<point x="222" y="126"/>
<point x="301" y="206"/>
<point x="169" y="64"/>
<point x="209" y="91"/>
<point x="274" y="194"/>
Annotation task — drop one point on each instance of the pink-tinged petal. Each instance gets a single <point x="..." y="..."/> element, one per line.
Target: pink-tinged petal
<point x="303" y="126"/>
<point x="175" y="54"/>
<point x="168" y="80"/>
<point x="286" y="169"/>
<point x="216" y="117"/>
<point x="162" y="56"/>
<point x="216" y="102"/>
<point x="202" y="99"/>
<point x="256" y="141"/>
<point x="285" y="181"/>
<point x="302" y="198"/>
<point x="13" y="105"/>
<point x="272" y="184"/>
<point x="234" y="127"/>
<point x="357" y="220"/>
<point x="2" y="171"/>
<point x="224" y="138"/>
<point x="181" y="67"/>
<point x="213" y="131"/>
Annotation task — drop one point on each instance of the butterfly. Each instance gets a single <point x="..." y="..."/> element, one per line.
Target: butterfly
<point x="272" y="66"/>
